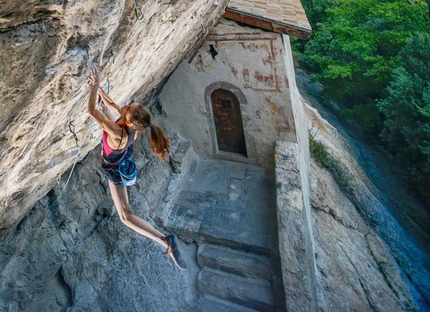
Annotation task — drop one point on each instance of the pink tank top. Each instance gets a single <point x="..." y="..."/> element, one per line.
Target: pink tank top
<point x="113" y="155"/>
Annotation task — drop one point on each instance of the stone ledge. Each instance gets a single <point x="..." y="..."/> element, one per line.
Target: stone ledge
<point x="214" y="304"/>
<point x="250" y="292"/>
<point x="234" y="261"/>
<point x="293" y="232"/>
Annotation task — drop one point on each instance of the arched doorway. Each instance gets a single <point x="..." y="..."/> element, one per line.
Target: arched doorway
<point x="228" y="122"/>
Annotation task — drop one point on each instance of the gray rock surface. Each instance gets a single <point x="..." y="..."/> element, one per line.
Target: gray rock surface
<point x="357" y="267"/>
<point x="369" y="247"/>
<point x="353" y="261"/>
<point x="105" y="263"/>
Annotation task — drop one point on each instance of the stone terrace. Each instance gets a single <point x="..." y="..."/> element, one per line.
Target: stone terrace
<point x="230" y="209"/>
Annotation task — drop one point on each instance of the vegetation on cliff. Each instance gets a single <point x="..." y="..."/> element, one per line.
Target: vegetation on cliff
<point x="373" y="58"/>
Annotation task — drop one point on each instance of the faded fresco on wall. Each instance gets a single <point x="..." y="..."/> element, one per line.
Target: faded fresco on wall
<point x="248" y="62"/>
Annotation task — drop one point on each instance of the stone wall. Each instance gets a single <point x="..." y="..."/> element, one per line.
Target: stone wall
<point x="297" y="213"/>
<point x="249" y="63"/>
<point x="295" y="253"/>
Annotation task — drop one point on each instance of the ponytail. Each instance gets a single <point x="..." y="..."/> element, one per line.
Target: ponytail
<point x="160" y="143"/>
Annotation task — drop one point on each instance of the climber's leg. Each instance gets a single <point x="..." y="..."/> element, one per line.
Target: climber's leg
<point x="120" y="199"/>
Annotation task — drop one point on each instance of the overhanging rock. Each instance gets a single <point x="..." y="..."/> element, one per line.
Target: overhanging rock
<point x="46" y="51"/>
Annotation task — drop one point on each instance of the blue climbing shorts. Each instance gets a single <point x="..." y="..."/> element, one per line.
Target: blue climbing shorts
<point x="112" y="172"/>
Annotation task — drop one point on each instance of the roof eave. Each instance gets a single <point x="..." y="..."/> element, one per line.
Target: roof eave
<point x="267" y="24"/>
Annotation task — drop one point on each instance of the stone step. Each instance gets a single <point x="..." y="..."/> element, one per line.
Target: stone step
<point x="190" y="230"/>
<point x="234" y="261"/>
<point x="207" y="303"/>
<point x="259" y="244"/>
<point x="226" y="203"/>
<point x="252" y="293"/>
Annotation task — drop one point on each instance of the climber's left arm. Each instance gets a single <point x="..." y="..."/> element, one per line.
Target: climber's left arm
<point x="108" y="101"/>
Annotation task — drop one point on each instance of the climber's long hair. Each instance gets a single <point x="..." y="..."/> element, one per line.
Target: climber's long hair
<point x="160" y="143"/>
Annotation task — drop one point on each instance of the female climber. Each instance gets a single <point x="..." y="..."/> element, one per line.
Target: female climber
<point x="118" y="137"/>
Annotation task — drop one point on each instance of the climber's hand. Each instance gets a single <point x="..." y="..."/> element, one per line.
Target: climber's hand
<point x="94" y="78"/>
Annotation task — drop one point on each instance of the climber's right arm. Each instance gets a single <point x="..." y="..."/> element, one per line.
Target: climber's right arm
<point x="104" y="122"/>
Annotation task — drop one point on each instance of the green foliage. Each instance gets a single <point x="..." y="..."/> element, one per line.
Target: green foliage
<point x="373" y="58"/>
<point x="406" y="109"/>
<point x="355" y="47"/>
<point x="368" y="117"/>
<point x="318" y="152"/>
<point x="315" y="9"/>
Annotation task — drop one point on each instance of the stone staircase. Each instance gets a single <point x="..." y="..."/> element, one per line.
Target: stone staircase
<point x="233" y="280"/>
<point x="229" y="210"/>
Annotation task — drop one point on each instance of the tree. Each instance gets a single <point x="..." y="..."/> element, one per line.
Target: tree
<point x="354" y="49"/>
<point x="315" y="10"/>
<point x="406" y="109"/>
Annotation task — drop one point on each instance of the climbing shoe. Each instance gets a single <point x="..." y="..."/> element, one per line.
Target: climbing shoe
<point x="173" y="252"/>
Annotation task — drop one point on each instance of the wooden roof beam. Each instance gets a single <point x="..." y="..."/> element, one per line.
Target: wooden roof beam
<point x="267" y="24"/>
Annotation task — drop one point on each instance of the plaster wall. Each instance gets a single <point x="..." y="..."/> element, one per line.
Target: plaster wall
<point x="251" y="64"/>
<point x="308" y="267"/>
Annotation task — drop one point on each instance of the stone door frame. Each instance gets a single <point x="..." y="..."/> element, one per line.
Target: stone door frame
<point x="211" y="122"/>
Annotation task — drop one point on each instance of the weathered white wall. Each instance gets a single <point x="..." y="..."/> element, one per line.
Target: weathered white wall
<point x="250" y="62"/>
<point x="296" y="241"/>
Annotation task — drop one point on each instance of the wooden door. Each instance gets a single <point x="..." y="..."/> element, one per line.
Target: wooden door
<point x="228" y="122"/>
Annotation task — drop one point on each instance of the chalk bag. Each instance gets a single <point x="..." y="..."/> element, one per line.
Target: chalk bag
<point x="128" y="171"/>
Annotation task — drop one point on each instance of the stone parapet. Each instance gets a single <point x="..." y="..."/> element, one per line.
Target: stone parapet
<point x="297" y="262"/>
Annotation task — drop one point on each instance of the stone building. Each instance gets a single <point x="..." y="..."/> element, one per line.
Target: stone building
<point x="237" y="101"/>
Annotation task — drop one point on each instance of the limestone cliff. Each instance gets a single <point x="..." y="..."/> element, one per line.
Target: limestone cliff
<point x="370" y="247"/>
<point x="46" y="50"/>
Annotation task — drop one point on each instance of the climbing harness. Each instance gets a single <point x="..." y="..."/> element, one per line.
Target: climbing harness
<point x="138" y="11"/>
<point x="125" y="165"/>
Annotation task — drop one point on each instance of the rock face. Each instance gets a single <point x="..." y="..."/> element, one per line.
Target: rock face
<point x="46" y="50"/>
<point x="362" y="256"/>
<point x="364" y="260"/>
<point x="362" y="252"/>
<point x="363" y="269"/>
<point x="70" y="253"/>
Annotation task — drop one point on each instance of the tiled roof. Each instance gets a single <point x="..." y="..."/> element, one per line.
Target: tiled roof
<point x="281" y="13"/>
